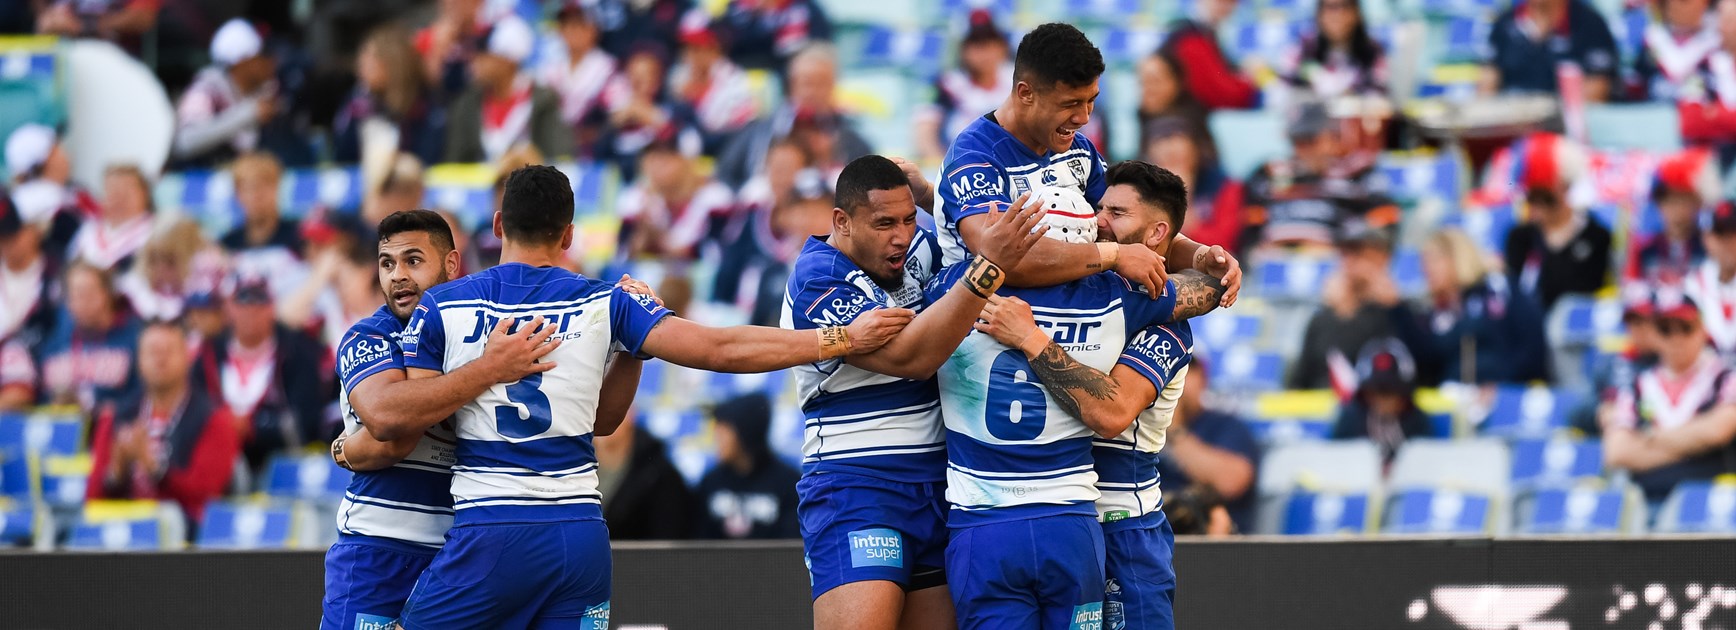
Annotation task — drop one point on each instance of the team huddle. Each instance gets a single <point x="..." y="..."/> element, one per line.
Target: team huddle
<point x="983" y="404"/>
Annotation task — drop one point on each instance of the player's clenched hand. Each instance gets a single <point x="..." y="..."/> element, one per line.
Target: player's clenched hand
<point x="1218" y="263"/>
<point x="635" y="286"/>
<point x="1012" y="233"/>
<point x="919" y="186"/>
<point x="1139" y="264"/>
<point x="512" y="356"/>
<point x="1009" y="321"/>
<point x="873" y="328"/>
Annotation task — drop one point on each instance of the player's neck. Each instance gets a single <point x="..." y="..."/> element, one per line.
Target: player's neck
<point x="533" y="255"/>
<point x="1008" y="118"/>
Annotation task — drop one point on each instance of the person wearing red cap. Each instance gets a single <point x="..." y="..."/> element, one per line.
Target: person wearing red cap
<point x="1713" y="283"/>
<point x="1560" y="249"/>
<point x="1675" y="421"/>
<point x="1684" y="186"/>
<point x="977" y="86"/>
<point x="708" y="81"/>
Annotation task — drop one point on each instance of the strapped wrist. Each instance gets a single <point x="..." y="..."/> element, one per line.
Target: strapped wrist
<point x="983" y="277"/>
<point x="834" y="342"/>
<point x="338" y="455"/>
<point x="1034" y="343"/>
<point x="1108" y="254"/>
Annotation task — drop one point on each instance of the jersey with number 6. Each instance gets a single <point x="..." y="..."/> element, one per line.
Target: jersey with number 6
<point x="524" y="449"/>
<point x="988" y="167"/>
<point x="1011" y="452"/>
<point x="1127" y="463"/>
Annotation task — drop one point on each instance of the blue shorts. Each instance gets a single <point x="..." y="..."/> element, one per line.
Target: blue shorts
<point x="1139" y="591"/>
<point x="857" y="528"/>
<point x="543" y="575"/>
<point x="367" y="580"/>
<point x="1036" y="573"/>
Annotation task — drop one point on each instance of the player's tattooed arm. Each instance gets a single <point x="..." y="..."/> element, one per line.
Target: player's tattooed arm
<point x="1106" y="403"/>
<point x="1196" y="294"/>
<point x="1068" y="380"/>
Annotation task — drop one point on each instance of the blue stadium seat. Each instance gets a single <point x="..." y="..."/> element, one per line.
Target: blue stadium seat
<point x="917" y="49"/>
<point x="18" y="522"/>
<point x="127" y="526"/>
<point x="42" y="434"/>
<point x="1528" y="412"/>
<point x="1437" y="511"/>
<point x="1240" y="368"/>
<point x="1699" y="507"/>
<point x="1555" y="462"/>
<point x="1107" y="10"/>
<point x="672" y="424"/>
<point x="15" y="480"/>
<point x="1128" y="45"/>
<point x="1310" y="513"/>
<point x="305" y="477"/>
<point x="1571" y="511"/>
<point x="1407" y="271"/>
<point x="1223" y="329"/>
<point x="63" y="480"/>
<point x="1270" y="431"/>
<point x="1293" y="278"/>
<point x="234" y="525"/>
<point x="1265" y="38"/>
<point x="1430" y="177"/>
<point x="1464" y="38"/>
<point x="1483" y="9"/>
<point x="28" y="65"/>
<point x="1487" y="227"/>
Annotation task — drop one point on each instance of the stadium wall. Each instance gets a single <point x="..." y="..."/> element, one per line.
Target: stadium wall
<point x="1253" y="584"/>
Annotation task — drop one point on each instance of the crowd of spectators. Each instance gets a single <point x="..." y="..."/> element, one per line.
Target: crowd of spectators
<point x="102" y="294"/>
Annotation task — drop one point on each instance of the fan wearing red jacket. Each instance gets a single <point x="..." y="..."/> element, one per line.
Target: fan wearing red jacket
<point x="1212" y="77"/>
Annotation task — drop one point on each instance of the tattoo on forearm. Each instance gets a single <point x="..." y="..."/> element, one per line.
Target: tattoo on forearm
<point x="1066" y="379"/>
<point x="1195" y="294"/>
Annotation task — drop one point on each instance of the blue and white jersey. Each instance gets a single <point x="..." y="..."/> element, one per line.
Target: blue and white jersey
<point x="412" y="500"/>
<point x="987" y="166"/>
<point x="1127" y="464"/>
<point x="524" y="449"/>
<point x="859" y="421"/>
<point x="1011" y="453"/>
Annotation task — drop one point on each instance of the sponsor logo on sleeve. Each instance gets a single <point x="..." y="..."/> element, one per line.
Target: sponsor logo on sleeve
<point x="364" y="352"/>
<point x="877" y="547"/>
<point x="836" y="310"/>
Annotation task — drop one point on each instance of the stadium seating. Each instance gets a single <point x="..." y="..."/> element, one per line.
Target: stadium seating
<point x="1324" y="513"/>
<point x="1442" y="486"/>
<point x="1344" y="468"/>
<point x="305" y="477"/>
<point x="128" y="526"/>
<point x="1438" y="511"/>
<point x="1527" y="412"/>
<point x="1699" y="507"/>
<point x="20" y="523"/>
<point x="1241" y="368"/>
<point x="1578" y="510"/>
<point x="247" y="525"/>
<point x="1555" y="463"/>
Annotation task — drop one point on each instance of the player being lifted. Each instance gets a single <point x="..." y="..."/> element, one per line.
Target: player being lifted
<point x="528" y="545"/>
<point x="873" y="509"/>
<point x="1033" y="141"/>
<point x="398" y="505"/>
<point x="1129" y="408"/>
<point x="1026" y="550"/>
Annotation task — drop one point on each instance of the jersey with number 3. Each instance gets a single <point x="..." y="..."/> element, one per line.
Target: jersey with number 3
<point x="1127" y="463"/>
<point x="987" y="168"/>
<point x="1012" y="453"/>
<point x="524" y="449"/>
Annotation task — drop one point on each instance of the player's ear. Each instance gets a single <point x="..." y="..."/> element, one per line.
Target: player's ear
<point x="498" y="232"/>
<point x="567" y="236"/>
<point x="840" y="222"/>
<point x="453" y="260"/>
<point x="1025" y="93"/>
<point x="1159" y="233"/>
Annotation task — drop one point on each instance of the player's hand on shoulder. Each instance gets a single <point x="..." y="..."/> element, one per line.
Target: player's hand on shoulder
<point x="1138" y="264"/>
<point x="1009" y="321"/>
<point x="637" y="287"/>
<point x="1013" y="232"/>
<point x="1219" y="263"/>
<point x="874" y="327"/>
<point x="919" y="185"/>
<point x="515" y="354"/>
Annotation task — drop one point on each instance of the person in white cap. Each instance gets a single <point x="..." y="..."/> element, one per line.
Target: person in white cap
<point x="33" y="152"/>
<point x="221" y="113"/>
<point x="41" y="176"/>
<point x="503" y="108"/>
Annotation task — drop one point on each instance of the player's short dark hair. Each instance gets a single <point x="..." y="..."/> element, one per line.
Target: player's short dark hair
<point x="1155" y="185"/>
<point x="1057" y="53"/>
<point x="866" y="173"/>
<point x="537" y="205"/>
<point x="439" y="231"/>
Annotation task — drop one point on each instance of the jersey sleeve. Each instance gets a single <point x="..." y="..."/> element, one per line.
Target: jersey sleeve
<point x="1097" y="182"/>
<point x="1158" y="354"/>
<point x="823" y="301"/>
<point x="631" y="318"/>
<point x="423" y="341"/>
<point x="971" y="184"/>
<point x="364" y="353"/>
<point x="943" y="281"/>
<point x="1143" y="310"/>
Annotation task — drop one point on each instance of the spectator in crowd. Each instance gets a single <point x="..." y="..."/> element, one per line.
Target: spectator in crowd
<point x="110" y="239"/>
<point x="337" y="292"/>
<point x="1676" y="420"/>
<point x="708" y="83"/>
<point x="1384" y="409"/>
<point x="221" y="114"/>
<point x="1352" y="312"/>
<point x="27" y="310"/>
<point x="1683" y="188"/>
<point x="1305" y="199"/>
<point x="1212" y="77"/>
<point x="640" y="110"/>
<point x="1611" y="372"/>
<point x="764" y="34"/>
<point x="644" y="496"/>
<point x="1713" y="284"/>
<point x="504" y="108"/>
<point x="670" y="214"/>
<point x="809" y="96"/>
<point x="269" y="376"/>
<point x="1163" y="95"/>
<point x="42" y="188"/>
<point x="1214" y="200"/>
<point x="176" y="262"/>
<point x="1708" y="113"/>
<point x="393" y="108"/>
<point x="265" y="240"/>
<point x="89" y="357"/>
<point x="630" y="24"/>
<point x="1475" y="328"/>
<point x="1560" y="249"/>
<point x="774" y="219"/>
<point x="17" y="376"/>
<point x="1208" y="447"/>
<point x="119" y="21"/>
<point x="982" y="80"/>
<point x="1674" y="45"/>
<point x="449" y="43"/>
<point x="1529" y="42"/>
<point x="167" y="441"/>
<point x="749" y="493"/>
<point x="1339" y="59"/>
<point x="578" y="70"/>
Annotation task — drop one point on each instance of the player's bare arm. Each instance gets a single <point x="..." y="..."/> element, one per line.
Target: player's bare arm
<point x="1106" y="403"/>
<point x="749" y="349"/>
<point x="1214" y="261"/>
<point x="1053" y="262"/>
<point x="407" y="403"/>
<point x="1196" y="294"/>
<point x="1642" y="451"/>
<point x="931" y="337"/>
<point x="360" y="451"/>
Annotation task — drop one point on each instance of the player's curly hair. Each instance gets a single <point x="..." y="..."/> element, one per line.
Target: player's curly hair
<point x="1155" y="185"/>
<point x="1057" y="53"/>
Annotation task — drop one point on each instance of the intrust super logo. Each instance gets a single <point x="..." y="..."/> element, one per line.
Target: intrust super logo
<point x="374" y="622"/>
<point x="1087" y="617"/>
<point x="877" y="547"/>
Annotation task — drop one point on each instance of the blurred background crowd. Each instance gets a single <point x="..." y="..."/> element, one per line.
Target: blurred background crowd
<point x="1491" y="265"/>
